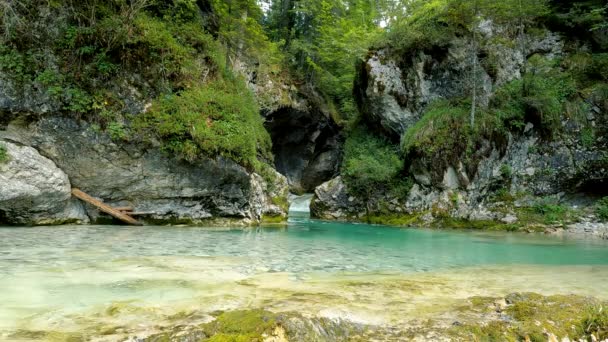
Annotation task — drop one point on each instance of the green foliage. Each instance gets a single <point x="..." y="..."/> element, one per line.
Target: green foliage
<point x="217" y="118"/>
<point x="602" y="209"/>
<point x="506" y="171"/>
<point x="546" y="211"/>
<point x="437" y="22"/>
<point x="3" y="154"/>
<point x="551" y="211"/>
<point x="503" y="195"/>
<point x="541" y="97"/>
<point x="323" y="40"/>
<point x="588" y="137"/>
<point x="442" y="128"/>
<point x="595" y="322"/>
<point x="444" y="136"/>
<point x="372" y="165"/>
<point x="586" y="16"/>
<point x="117" y="131"/>
<point x="199" y="108"/>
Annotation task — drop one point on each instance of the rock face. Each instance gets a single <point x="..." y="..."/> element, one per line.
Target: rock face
<point x="333" y="202"/>
<point x="171" y="191"/>
<point x="393" y="91"/>
<point x="306" y="145"/>
<point x="34" y="190"/>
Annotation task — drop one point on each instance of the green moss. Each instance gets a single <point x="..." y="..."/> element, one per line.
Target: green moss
<point x="405" y="220"/>
<point x="281" y="201"/>
<point x="267" y="219"/>
<point x="240" y="326"/>
<point x="51" y="336"/>
<point x="534" y="315"/>
<point x="455" y="223"/>
<point x="3" y="154"/>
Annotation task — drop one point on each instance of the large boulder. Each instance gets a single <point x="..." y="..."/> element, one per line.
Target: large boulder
<point x="33" y="190"/>
<point x="332" y="201"/>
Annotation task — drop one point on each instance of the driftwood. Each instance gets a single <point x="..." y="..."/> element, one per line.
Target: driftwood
<point x="105" y="208"/>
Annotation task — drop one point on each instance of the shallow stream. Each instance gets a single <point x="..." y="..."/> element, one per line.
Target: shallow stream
<point x="134" y="279"/>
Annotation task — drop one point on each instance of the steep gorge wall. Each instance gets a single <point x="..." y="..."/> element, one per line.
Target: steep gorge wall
<point x="118" y="110"/>
<point x="501" y="173"/>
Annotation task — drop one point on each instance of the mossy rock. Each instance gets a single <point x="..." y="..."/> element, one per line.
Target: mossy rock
<point x="240" y="326"/>
<point x="533" y="317"/>
<point x="269" y="219"/>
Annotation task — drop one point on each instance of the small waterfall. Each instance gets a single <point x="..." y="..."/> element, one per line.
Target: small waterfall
<point x="300" y="204"/>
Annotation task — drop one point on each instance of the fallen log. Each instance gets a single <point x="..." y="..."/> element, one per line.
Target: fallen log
<point x="105" y="208"/>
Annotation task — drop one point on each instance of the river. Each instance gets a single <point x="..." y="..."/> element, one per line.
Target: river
<point x="89" y="278"/>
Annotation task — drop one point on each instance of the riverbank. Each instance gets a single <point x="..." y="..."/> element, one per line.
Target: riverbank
<point x="517" y="316"/>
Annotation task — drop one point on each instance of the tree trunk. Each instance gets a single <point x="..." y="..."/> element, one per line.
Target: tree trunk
<point x="474" y="60"/>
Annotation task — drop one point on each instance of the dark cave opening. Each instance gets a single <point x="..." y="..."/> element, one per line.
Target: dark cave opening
<point x="306" y="147"/>
<point x="595" y="188"/>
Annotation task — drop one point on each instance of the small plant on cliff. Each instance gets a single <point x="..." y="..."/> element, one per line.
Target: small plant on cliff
<point x="602" y="209"/>
<point x="3" y="154"/>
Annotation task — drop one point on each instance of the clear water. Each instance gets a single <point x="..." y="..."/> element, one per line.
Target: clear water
<point x="73" y="278"/>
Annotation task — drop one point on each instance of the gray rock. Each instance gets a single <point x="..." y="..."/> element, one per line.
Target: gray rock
<point x="34" y="190"/>
<point x="450" y="179"/>
<point x="332" y="201"/>
<point x="509" y="219"/>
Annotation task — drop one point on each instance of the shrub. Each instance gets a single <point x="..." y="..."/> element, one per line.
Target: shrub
<point x="372" y="165"/>
<point x="602" y="209"/>
<point x="551" y="211"/>
<point x="443" y="137"/>
<point x="543" y="96"/>
<point x="444" y="126"/>
<point x="506" y="171"/>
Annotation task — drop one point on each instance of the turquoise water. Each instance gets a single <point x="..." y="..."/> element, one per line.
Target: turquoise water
<point x="66" y="278"/>
<point x="305" y="246"/>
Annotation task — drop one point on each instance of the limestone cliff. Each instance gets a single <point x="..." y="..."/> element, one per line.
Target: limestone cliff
<point x="493" y="176"/>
